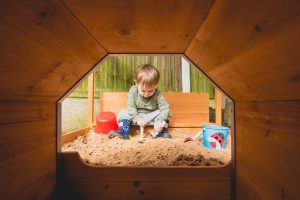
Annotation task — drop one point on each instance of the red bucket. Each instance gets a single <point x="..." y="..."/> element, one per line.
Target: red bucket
<point x="105" y="122"/>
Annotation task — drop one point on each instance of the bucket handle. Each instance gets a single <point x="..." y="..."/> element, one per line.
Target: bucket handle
<point x="199" y="134"/>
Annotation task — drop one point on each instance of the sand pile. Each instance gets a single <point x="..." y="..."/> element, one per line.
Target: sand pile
<point x="99" y="150"/>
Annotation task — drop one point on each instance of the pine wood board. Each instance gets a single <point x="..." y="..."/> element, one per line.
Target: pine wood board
<point x="188" y="109"/>
<point x="267" y="153"/>
<point x="141" y="26"/>
<point x="28" y="150"/>
<point x="250" y="50"/>
<point x="89" y="182"/>
<point x="45" y="50"/>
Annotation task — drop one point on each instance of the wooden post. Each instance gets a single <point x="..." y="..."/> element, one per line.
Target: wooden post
<point x="186" y="85"/>
<point x="90" y="99"/>
<point x="218" y="106"/>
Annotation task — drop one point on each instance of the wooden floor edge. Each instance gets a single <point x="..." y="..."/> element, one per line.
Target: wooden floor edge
<point x="69" y="137"/>
<point x="74" y="157"/>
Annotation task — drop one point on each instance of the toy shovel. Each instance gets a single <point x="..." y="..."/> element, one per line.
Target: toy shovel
<point x="141" y="138"/>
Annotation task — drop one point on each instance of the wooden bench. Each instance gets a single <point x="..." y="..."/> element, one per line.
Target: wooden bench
<point x="188" y="109"/>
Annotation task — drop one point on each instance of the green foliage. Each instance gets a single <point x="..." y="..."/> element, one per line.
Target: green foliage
<point x="115" y="74"/>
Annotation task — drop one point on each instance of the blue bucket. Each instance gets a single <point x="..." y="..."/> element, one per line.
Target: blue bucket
<point x="214" y="137"/>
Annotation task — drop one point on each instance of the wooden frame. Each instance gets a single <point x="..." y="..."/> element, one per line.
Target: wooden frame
<point x="90" y="182"/>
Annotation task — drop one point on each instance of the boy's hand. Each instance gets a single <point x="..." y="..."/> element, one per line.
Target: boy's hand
<point x="158" y="126"/>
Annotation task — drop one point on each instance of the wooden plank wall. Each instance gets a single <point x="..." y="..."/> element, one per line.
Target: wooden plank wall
<point x="142" y="26"/>
<point x="27" y="146"/>
<point x="267" y="150"/>
<point x="46" y="49"/>
<point x="251" y="51"/>
<point x="41" y="57"/>
<point x="90" y="182"/>
<point x="44" y="52"/>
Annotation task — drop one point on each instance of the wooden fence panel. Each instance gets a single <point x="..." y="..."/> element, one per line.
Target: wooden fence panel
<point x="115" y="75"/>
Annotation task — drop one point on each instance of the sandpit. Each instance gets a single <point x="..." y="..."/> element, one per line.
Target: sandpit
<point x="99" y="150"/>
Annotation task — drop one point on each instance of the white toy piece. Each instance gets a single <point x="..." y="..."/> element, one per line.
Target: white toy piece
<point x="141" y="138"/>
<point x="198" y="135"/>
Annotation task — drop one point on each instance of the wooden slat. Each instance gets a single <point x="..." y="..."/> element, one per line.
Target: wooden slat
<point x="142" y="26"/>
<point x="251" y="49"/>
<point x="90" y="99"/>
<point x="267" y="150"/>
<point x="44" y="50"/>
<point x="113" y="101"/>
<point x="90" y="182"/>
<point x="152" y="190"/>
<point x="218" y="104"/>
<point x="23" y="112"/>
<point x="188" y="109"/>
<point x="17" y="138"/>
<point x="25" y="126"/>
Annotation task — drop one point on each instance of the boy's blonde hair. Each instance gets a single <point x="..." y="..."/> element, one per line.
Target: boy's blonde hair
<point x="147" y="75"/>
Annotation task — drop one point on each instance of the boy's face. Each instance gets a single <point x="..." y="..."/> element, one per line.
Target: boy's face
<point x="146" y="91"/>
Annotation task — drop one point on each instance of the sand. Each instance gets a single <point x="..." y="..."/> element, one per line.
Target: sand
<point x="99" y="150"/>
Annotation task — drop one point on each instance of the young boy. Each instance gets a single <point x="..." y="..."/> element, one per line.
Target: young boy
<point x="146" y="105"/>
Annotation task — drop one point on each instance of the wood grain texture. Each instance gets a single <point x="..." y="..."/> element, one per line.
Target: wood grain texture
<point x="27" y="150"/>
<point x="88" y="182"/>
<point x="267" y="150"/>
<point x="251" y="49"/>
<point x="29" y="175"/>
<point x="90" y="99"/>
<point x="218" y="106"/>
<point x="44" y="50"/>
<point x="142" y="26"/>
<point x="188" y="109"/>
<point x="151" y="190"/>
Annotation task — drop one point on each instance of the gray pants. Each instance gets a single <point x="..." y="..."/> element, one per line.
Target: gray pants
<point x="149" y="118"/>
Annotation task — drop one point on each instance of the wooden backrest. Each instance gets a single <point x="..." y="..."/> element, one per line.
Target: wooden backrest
<point x="188" y="109"/>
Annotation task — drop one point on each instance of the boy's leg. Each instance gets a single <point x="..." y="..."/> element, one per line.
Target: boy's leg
<point x="124" y="128"/>
<point x="163" y="133"/>
<point x="124" y="124"/>
<point x="150" y="117"/>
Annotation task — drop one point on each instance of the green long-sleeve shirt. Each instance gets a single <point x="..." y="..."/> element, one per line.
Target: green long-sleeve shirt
<point x="139" y="104"/>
